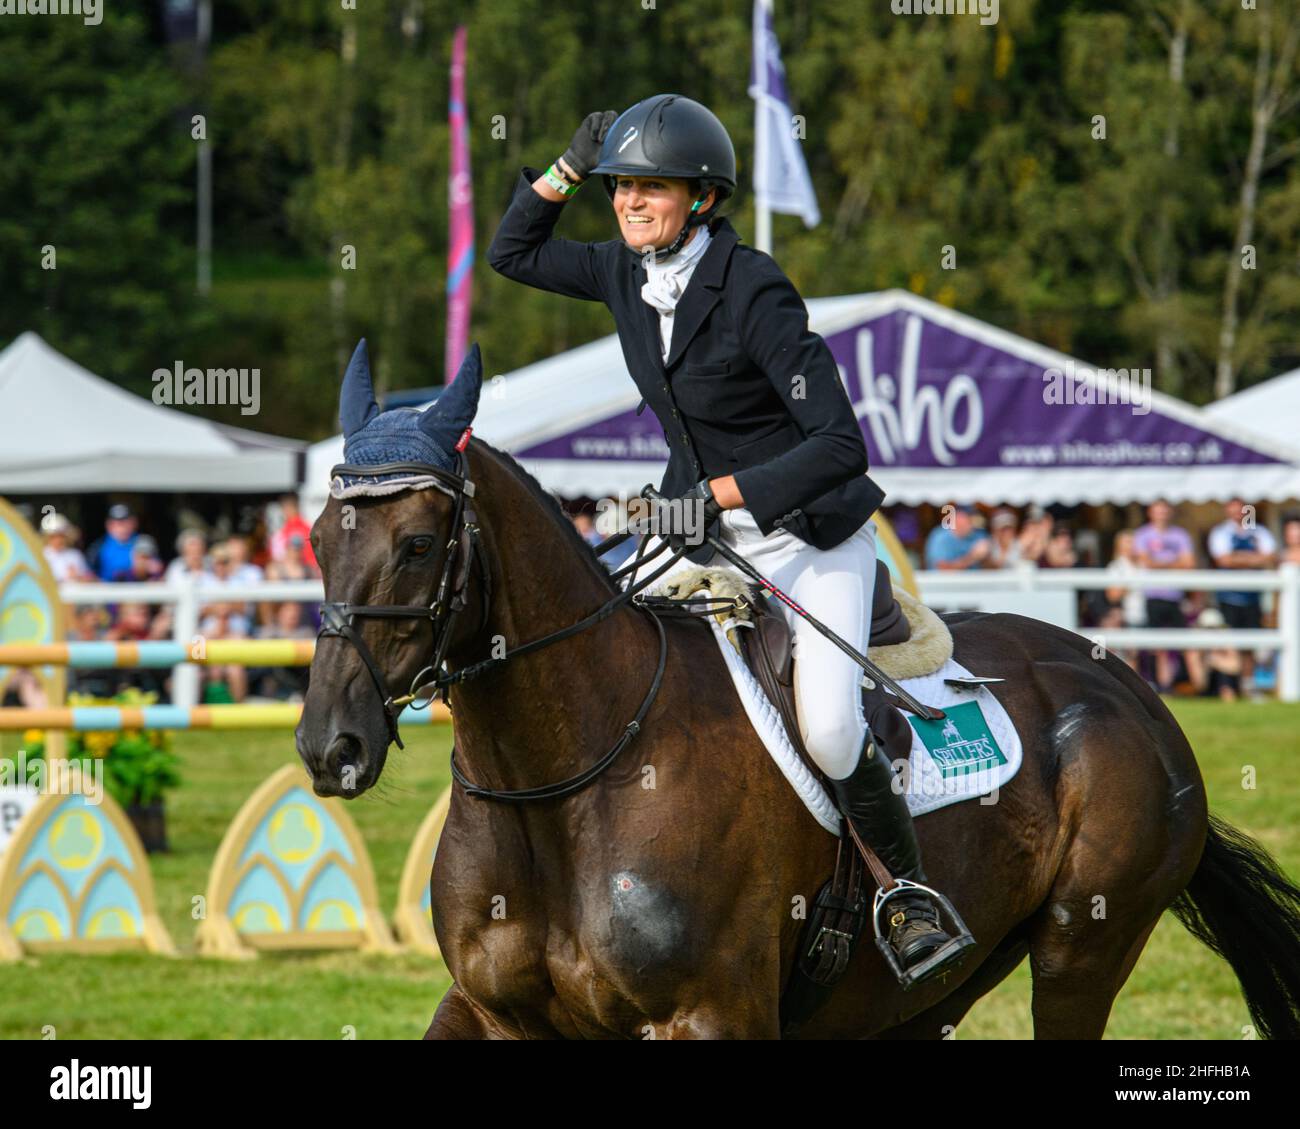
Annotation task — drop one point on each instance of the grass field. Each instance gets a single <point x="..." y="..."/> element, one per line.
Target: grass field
<point x="1178" y="990"/>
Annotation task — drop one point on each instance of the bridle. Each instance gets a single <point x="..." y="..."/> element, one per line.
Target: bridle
<point x="337" y="618"/>
<point x="450" y="599"/>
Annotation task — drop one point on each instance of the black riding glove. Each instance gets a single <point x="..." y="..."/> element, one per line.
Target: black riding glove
<point x="691" y="507"/>
<point x="583" y="152"/>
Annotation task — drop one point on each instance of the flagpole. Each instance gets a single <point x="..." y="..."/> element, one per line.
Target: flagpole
<point x="762" y="212"/>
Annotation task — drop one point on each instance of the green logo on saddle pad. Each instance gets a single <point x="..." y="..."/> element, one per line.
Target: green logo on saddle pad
<point x="961" y="744"/>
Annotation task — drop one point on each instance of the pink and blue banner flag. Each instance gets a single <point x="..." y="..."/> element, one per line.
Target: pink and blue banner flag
<point x="460" y="196"/>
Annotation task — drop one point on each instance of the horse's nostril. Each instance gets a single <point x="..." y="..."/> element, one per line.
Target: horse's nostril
<point x="346" y="761"/>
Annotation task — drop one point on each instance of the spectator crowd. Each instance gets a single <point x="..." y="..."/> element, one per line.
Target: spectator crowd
<point x="965" y="539"/>
<point x="959" y="542"/>
<point x="124" y="554"/>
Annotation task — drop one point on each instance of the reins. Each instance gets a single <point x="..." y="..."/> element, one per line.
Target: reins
<point x="337" y="619"/>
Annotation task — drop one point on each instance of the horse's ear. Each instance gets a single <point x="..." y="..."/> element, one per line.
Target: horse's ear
<point x="455" y="409"/>
<point x="357" y="405"/>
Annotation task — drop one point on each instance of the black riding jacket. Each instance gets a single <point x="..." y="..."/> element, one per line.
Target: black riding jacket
<point x="747" y="388"/>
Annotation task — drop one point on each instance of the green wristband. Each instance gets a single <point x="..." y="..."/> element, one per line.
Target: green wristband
<point x="563" y="187"/>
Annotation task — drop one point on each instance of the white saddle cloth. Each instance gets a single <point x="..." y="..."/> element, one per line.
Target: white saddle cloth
<point x="973" y="752"/>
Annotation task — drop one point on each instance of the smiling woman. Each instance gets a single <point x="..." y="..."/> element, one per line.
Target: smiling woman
<point x="652" y="211"/>
<point x="763" y="443"/>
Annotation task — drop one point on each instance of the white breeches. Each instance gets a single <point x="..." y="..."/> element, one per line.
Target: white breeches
<point x="836" y="587"/>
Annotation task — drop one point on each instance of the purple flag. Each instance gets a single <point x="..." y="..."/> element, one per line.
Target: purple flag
<point x="781" y="180"/>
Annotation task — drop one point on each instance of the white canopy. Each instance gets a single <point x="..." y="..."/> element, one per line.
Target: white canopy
<point x="952" y="410"/>
<point x="64" y="429"/>
<point x="1270" y="409"/>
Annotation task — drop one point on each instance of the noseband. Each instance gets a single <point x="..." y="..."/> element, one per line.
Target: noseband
<point x="448" y="602"/>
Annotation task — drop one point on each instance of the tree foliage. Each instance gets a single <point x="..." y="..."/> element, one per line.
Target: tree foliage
<point x="1088" y="164"/>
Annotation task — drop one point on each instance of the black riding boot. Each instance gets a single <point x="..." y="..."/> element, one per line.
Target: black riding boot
<point x="881" y="818"/>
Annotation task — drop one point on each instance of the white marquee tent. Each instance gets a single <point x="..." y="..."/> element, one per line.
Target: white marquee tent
<point x="1270" y="409"/>
<point x="65" y="429"/>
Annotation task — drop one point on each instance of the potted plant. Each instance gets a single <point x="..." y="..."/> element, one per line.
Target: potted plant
<point x="139" y="765"/>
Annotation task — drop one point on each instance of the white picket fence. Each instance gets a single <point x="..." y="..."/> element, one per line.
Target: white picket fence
<point x="1050" y="594"/>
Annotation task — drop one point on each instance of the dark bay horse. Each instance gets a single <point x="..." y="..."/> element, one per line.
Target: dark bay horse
<point x="660" y="901"/>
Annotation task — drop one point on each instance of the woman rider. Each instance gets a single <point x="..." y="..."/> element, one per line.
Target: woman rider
<point x="761" y="434"/>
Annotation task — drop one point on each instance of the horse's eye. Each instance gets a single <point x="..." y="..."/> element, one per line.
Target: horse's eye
<point x="420" y="546"/>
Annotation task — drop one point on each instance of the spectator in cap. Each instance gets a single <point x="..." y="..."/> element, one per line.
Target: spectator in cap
<point x="110" y="556"/>
<point x="1004" y="552"/>
<point x="242" y="570"/>
<point x="65" y="560"/>
<point x="960" y="547"/>
<point x="1218" y="672"/>
<point x="146" y="565"/>
<point x="292" y="566"/>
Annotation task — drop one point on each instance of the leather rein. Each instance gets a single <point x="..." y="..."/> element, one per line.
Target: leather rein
<point x="462" y="557"/>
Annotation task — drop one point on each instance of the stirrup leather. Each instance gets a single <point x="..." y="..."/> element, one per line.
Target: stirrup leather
<point x="936" y="963"/>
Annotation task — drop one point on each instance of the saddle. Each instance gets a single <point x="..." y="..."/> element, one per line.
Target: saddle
<point x="768" y="649"/>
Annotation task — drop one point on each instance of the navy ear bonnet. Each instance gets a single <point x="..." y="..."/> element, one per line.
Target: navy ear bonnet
<point x="432" y="435"/>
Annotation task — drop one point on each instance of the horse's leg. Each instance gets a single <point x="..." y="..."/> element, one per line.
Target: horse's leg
<point x="1075" y="984"/>
<point x="457" y="1019"/>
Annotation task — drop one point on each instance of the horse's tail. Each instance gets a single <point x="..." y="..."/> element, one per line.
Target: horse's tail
<point x="1241" y="904"/>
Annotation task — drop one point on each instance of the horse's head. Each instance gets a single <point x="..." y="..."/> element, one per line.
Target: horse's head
<point x="391" y="545"/>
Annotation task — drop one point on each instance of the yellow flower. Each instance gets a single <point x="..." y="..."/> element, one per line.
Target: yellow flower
<point x="33" y="736"/>
<point x="100" y="744"/>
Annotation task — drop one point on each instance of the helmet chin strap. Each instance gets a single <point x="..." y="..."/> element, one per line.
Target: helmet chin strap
<point x="692" y="221"/>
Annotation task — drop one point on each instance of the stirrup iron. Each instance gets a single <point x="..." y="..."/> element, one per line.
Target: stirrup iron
<point x="961" y="936"/>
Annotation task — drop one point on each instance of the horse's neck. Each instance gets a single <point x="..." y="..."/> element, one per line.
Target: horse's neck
<point x="546" y="715"/>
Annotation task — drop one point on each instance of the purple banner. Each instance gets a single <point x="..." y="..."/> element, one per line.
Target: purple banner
<point x="626" y="436"/>
<point x="929" y="396"/>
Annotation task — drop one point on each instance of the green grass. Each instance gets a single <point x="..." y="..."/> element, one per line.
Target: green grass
<point x="1179" y="989"/>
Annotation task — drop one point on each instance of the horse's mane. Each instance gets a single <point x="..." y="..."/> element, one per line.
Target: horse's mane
<point x="550" y="503"/>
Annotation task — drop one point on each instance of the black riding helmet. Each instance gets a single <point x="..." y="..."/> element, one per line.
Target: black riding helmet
<point x="671" y="136"/>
